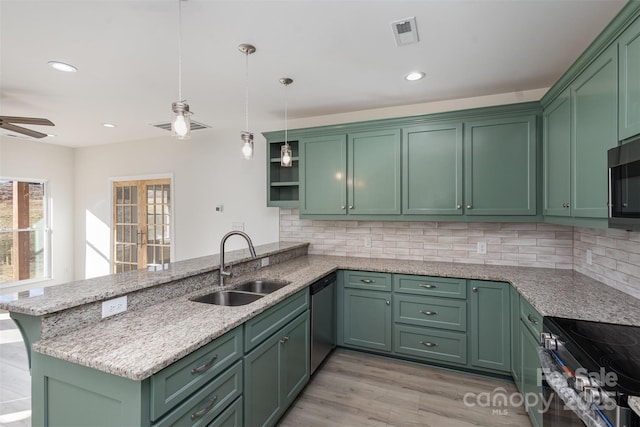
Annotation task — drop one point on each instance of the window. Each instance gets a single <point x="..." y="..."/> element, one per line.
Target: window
<point x="24" y="231"/>
<point x="141" y="224"/>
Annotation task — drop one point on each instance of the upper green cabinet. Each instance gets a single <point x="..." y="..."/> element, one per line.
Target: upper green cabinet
<point x="282" y="182"/>
<point x="500" y="166"/>
<point x="432" y="170"/>
<point x="594" y="104"/>
<point x="557" y="156"/>
<point x="629" y="84"/>
<point x="354" y="174"/>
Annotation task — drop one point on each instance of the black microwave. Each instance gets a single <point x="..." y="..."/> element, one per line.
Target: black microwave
<point x="624" y="186"/>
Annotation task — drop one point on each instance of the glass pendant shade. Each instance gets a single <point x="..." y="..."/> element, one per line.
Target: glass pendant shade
<point x="286" y="156"/>
<point x="181" y="123"/>
<point x="247" y="145"/>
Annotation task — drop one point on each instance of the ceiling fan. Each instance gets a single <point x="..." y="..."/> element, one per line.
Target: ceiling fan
<point x="7" y="122"/>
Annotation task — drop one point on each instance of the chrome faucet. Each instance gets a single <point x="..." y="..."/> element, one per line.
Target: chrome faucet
<point x="223" y="272"/>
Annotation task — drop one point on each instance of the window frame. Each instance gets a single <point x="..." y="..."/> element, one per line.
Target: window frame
<point x="47" y="232"/>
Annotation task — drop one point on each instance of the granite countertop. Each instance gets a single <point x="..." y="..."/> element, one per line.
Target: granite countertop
<point x="137" y="344"/>
<point x="634" y="403"/>
<point x="61" y="297"/>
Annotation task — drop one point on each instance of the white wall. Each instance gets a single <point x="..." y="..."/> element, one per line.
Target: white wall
<point x="22" y="158"/>
<point x="207" y="171"/>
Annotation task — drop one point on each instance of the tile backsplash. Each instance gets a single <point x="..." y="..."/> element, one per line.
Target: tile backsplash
<point x="615" y="254"/>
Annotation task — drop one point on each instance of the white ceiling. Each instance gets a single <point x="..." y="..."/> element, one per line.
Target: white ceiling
<point x="341" y="55"/>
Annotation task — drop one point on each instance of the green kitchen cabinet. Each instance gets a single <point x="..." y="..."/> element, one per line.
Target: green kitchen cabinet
<point x="530" y="371"/>
<point x="282" y="182"/>
<point x="323" y="172"/>
<point x="354" y="174"/>
<point x="366" y="319"/>
<point x="501" y="166"/>
<point x="629" y="82"/>
<point x="432" y="170"/>
<point x="490" y="335"/>
<point x="515" y="337"/>
<point x="275" y="373"/>
<point x="594" y="105"/>
<point x="557" y="156"/>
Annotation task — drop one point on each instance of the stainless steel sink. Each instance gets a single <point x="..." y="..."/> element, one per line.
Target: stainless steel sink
<point x="228" y="298"/>
<point x="261" y="286"/>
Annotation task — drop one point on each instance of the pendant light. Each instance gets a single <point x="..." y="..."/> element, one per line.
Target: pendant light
<point x="286" y="156"/>
<point x="180" y="124"/>
<point x="246" y="136"/>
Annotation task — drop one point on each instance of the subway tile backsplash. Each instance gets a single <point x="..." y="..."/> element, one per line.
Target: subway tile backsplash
<point x="615" y="254"/>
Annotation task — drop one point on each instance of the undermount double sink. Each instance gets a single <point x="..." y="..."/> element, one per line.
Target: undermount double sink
<point x="242" y="294"/>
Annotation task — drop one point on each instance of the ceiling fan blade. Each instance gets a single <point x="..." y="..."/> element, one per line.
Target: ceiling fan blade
<point x="24" y="131"/>
<point x="26" y="120"/>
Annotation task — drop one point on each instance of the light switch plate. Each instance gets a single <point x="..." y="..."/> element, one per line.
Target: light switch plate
<point x="114" y="306"/>
<point x="264" y="261"/>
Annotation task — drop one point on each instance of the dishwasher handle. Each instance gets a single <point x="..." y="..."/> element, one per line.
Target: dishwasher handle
<point x="323" y="283"/>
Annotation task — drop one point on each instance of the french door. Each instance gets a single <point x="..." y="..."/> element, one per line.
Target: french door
<point x="141" y="224"/>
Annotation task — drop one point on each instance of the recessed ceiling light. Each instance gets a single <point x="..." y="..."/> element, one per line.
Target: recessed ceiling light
<point x="413" y="76"/>
<point x="108" y="125"/>
<point x="61" y="66"/>
<point x="51" y="135"/>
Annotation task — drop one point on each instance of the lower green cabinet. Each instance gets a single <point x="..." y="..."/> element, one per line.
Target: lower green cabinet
<point x="515" y="336"/>
<point x="366" y="321"/>
<point x="490" y="325"/>
<point x="275" y="372"/>
<point x="530" y="371"/>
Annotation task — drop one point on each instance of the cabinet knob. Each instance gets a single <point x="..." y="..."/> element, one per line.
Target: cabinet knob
<point x="284" y="340"/>
<point x="388" y="302"/>
<point x="532" y="319"/>
<point x="474" y="289"/>
<point x="458" y="206"/>
<point x="350" y="206"/>
<point x="342" y="207"/>
<point x="469" y="206"/>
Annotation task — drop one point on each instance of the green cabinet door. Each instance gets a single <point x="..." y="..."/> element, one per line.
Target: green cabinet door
<point x="323" y="175"/>
<point x="594" y="97"/>
<point x="557" y="156"/>
<point x="500" y="166"/>
<point x="432" y="170"/>
<point x="275" y="373"/>
<point x="629" y="85"/>
<point x="490" y="320"/>
<point x="367" y="319"/>
<point x="531" y="385"/>
<point x="374" y="172"/>
<point x="516" y="363"/>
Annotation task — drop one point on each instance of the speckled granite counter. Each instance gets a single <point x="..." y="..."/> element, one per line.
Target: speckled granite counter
<point x="634" y="403"/>
<point x="137" y="344"/>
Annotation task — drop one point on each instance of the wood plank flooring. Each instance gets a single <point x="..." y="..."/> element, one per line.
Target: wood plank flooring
<point x="354" y="389"/>
<point x="15" y="380"/>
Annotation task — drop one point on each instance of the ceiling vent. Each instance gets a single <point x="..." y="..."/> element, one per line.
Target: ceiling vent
<point x="194" y="125"/>
<point x="405" y="31"/>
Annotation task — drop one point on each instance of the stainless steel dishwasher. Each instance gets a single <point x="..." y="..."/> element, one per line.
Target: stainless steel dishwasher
<point x="323" y="319"/>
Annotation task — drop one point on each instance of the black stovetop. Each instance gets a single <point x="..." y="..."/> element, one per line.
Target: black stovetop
<point x="612" y="347"/>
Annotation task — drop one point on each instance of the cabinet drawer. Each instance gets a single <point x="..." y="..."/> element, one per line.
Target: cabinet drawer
<point x="367" y="280"/>
<point x="530" y="317"/>
<point x="230" y="417"/>
<point x="433" y="286"/>
<point x="204" y="406"/>
<point x="431" y="344"/>
<point x="433" y="312"/>
<point x="174" y="383"/>
<point x="265" y="324"/>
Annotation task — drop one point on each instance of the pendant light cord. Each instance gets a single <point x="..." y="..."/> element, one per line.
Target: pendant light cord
<point x="246" y="112"/>
<point x="180" y="51"/>
<point x="286" y="110"/>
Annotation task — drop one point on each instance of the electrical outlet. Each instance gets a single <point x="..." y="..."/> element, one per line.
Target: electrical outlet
<point x="367" y="242"/>
<point x="219" y="208"/>
<point x="237" y="226"/>
<point x="114" y="306"/>
<point x="482" y="247"/>
<point x="589" y="257"/>
<point x="264" y="261"/>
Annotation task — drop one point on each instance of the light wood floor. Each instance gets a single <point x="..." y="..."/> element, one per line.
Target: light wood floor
<point x="354" y="389"/>
<point x="15" y="381"/>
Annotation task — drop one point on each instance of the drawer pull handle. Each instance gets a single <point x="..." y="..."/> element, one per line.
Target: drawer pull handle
<point x="204" y="410"/>
<point x="367" y="281"/>
<point x="532" y="319"/>
<point x="429" y="313"/>
<point x="427" y="286"/>
<point x="428" y="344"/>
<point x="204" y="367"/>
<point x="284" y="340"/>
